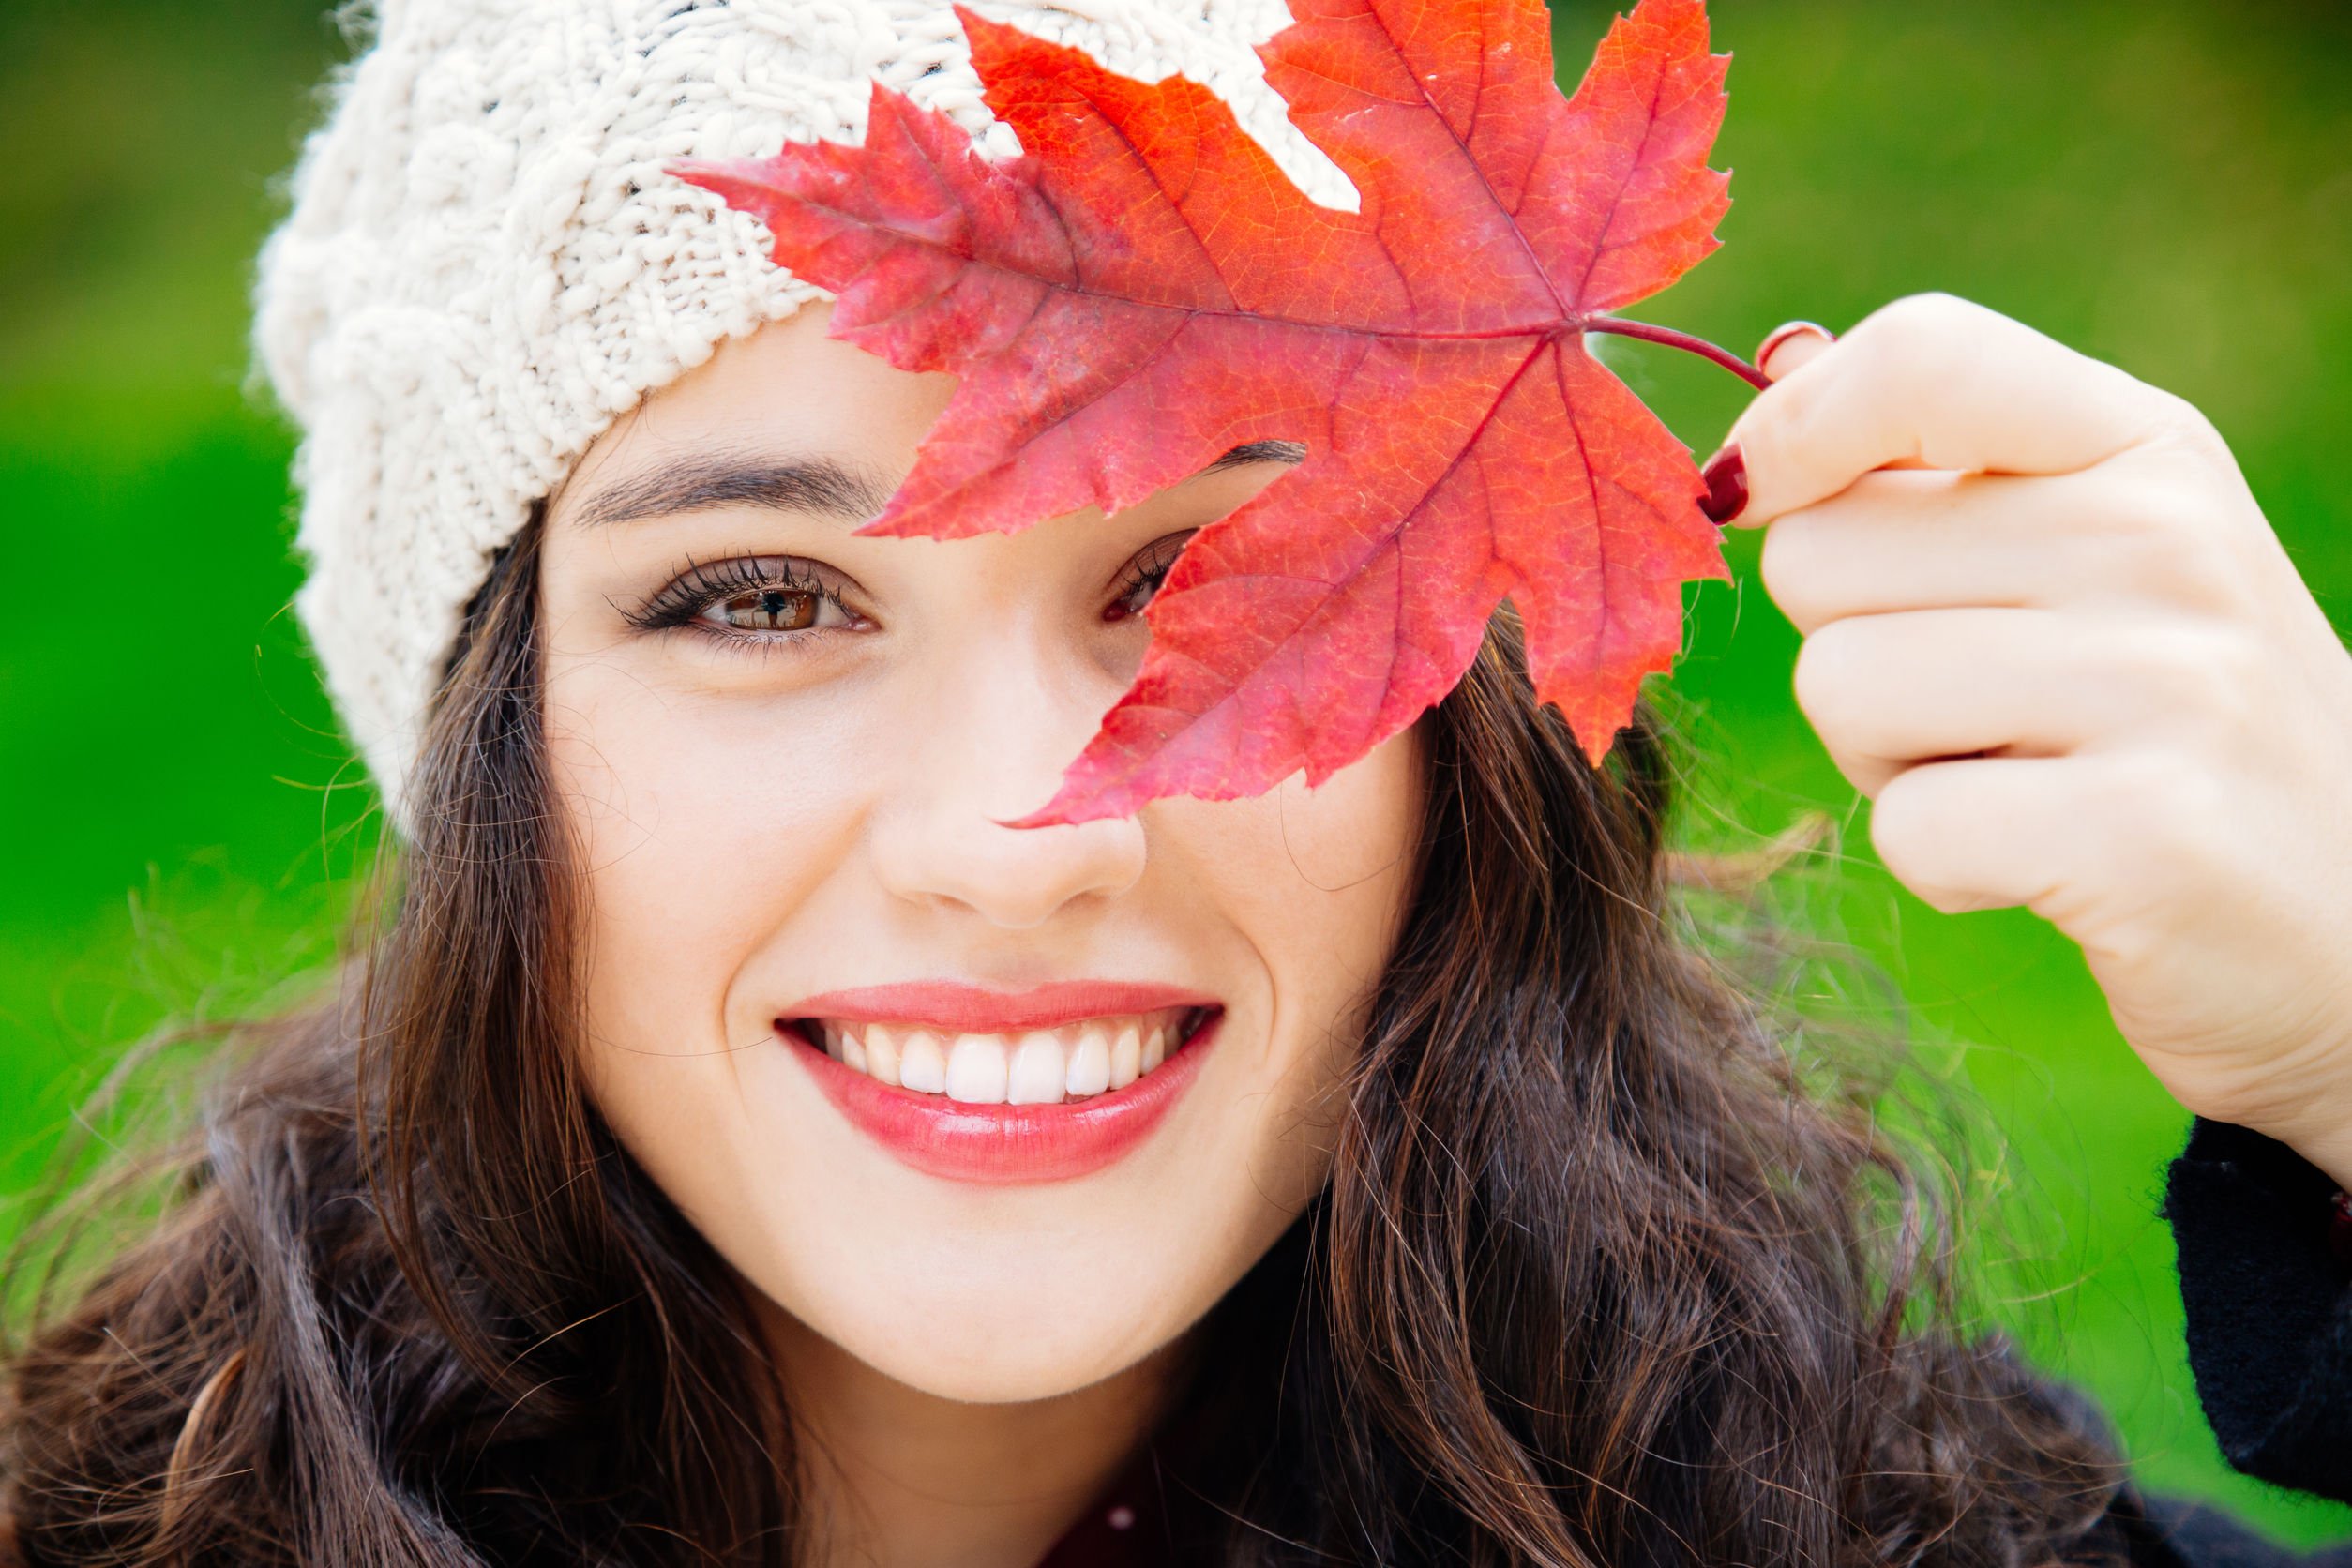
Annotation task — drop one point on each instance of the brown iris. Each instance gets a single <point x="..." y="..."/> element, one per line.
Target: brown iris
<point x="770" y="610"/>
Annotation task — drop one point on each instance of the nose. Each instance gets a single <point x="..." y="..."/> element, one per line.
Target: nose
<point x="994" y="735"/>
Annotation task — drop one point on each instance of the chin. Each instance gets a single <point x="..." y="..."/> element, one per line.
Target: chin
<point x="993" y="1354"/>
<point x="1011" y="1379"/>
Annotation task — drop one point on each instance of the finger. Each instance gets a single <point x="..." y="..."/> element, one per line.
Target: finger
<point x="1786" y="349"/>
<point x="1791" y="346"/>
<point x="1918" y="540"/>
<point x="1987" y="833"/>
<point x="1946" y="384"/>
<point x="1888" y="692"/>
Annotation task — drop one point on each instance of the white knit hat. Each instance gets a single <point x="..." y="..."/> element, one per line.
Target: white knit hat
<point x="486" y="264"/>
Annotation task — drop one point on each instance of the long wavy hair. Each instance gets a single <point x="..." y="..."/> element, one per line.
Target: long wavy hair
<point x="1605" y="1274"/>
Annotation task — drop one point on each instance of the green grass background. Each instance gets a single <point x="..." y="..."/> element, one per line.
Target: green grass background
<point x="2162" y="183"/>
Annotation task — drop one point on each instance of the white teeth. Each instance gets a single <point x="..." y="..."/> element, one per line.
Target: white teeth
<point x="977" y="1070"/>
<point x="1126" y="1057"/>
<point x="922" y="1065"/>
<point x="1038" y="1066"/>
<point x="1090" y="1064"/>
<point x="881" y="1053"/>
<point x="1037" y="1073"/>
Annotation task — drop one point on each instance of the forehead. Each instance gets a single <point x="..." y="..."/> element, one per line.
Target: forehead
<point x="786" y="389"/>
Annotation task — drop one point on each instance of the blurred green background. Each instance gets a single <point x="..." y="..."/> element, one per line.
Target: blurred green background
<point x="2162" y="183"/>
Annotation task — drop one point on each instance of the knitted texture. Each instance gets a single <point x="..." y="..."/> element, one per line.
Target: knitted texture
<point x="484" y="263"/>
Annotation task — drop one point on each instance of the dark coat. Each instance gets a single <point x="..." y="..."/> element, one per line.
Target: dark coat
<point x="2268" y="1283"/>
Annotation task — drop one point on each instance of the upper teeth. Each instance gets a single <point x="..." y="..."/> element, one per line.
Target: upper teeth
<point x="1037" y="1066"/>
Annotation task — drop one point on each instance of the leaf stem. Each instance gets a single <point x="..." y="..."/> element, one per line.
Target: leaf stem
<point x="1683" y="340"/>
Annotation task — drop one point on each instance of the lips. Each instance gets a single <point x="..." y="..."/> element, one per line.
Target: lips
<point x="996" y="1088"/>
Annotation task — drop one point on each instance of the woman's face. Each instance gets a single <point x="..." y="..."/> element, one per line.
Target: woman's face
<point x="1079" y="1077"/>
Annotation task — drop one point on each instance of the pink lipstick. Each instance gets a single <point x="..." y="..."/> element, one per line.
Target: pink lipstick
<point x="976" y="1085"/>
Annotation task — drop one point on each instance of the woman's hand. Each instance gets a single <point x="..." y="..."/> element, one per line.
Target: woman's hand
<point x="2049" y="631"/>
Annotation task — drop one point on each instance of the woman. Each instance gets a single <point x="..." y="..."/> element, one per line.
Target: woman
<point x="741" y="1147"/>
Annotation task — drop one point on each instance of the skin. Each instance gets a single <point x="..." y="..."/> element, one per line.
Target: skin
<point x="2049" y="631"/>
<point x="764" y="817"/>
<point x="2046" y="629"/>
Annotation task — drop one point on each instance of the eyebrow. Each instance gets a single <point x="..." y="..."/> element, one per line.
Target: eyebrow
<point x="821" y="484"/>
<point x="1257" y="451"/>
<point x="701" y="484"/>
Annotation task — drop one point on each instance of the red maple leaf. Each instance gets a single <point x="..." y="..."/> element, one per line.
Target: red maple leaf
<point x="1142" y="290"/>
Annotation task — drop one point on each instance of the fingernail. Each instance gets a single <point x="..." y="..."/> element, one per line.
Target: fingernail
<point x="1726" y="476"/>
<point x="1794" y="329"/>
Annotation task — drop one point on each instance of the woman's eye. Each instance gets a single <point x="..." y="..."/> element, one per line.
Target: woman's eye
<point x="748" y="599"/>
<point x="774" y="609"/>
<point x="1141" y="583"/>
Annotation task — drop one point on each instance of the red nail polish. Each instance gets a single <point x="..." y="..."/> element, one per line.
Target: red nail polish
<point x="1794" y="329"/>
<point x="1726" y="476"/>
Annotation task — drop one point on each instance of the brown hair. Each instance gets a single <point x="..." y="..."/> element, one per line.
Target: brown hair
<point x="1603" y="1275"/>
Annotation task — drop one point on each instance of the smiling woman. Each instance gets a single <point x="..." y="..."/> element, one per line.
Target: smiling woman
<point x="1429" y="1029"/>
<point x="739" y="1143"/>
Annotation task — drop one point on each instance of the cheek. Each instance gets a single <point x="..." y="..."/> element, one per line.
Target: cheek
<point x="1315" y="882"/>
<point x="706" y="827"/>
<point x="1319" y="876"/>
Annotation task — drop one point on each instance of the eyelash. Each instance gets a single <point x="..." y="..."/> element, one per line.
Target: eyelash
<point x="1147" y="570"/>
<point x="699" y="585"/>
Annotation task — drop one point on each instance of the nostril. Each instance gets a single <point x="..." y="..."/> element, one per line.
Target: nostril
<point x="1014" y="879"/>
